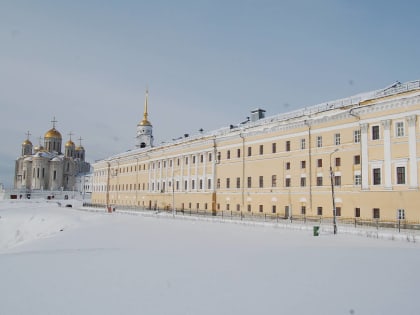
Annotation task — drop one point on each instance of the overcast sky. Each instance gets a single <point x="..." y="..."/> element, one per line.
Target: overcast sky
<point x="206" y="64"/>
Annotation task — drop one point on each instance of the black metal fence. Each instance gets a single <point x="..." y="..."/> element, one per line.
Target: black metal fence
<point x="270" y="217"/>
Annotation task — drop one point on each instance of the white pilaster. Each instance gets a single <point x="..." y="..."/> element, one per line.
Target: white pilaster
<point x="412" y="147"/>
<point x="387" y="153"/>
<point x="365" y="156"/>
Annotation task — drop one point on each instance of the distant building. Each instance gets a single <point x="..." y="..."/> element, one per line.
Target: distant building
<point x="362" y="152"/>
<point x="46" y="167"/>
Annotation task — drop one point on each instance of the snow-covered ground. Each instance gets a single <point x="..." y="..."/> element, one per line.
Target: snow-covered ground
<point x="58" y="260"/>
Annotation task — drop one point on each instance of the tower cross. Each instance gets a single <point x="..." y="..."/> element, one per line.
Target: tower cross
<point x="54" y="121"/>
<point x="28" y="134"/>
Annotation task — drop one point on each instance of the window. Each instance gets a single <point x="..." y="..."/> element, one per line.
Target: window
<point x="356" y="159"/>
<point x="273" y="209"/>
<point x="192" y="184"/>
<point x="210" y="157"/>
<point x="227" y="206"/>
<point x="261" y="208"/>
<point x="249" y="151"/>
<point x="376" y="176"/>
<point x="302" y="181"/>
<point x="201" y="184"/>
<point x="375" y="132"/>
<point x="287" y="145"/>
<point x="287" y="165"/>
<point x="302" y="164"/>
<point x="287" y="183"/>
<point x="319" y="181"/>
<point x="337" y="180"/>
<point x="238" y="207"/>
<point x="201" y="159"/>
<point x="249" y="208"/>
<point x="273" y="147"/>
<point x="209" y="183"/>
<point x="238" y="182"/>
<point x="319" y="210"/>
<point x="261" y="149"/>
<point x="356" y="136"/>
<point x="338" y="211"/>
<point x="273" y="180"/>
<point x="218" y="183"/>
<point x="302" y="144"/>
<point x="303" y="210"/>
<point x="400" y="175"/>
<point x="319" y="162"/>
<point x="227" y="182"/>
<point x="228" y="154"/>
<point x="401" y="214"/>
<point x="261" y="181"/>
<point x="219" y="156"/>
<point x="249" y="182"/>
<point x="399" y="129"/>
<point x="186" y="160"/>
<point x="376" y="213"/>
<point x="357" y="212"/>
<point x="337" y="139"/>
<point x="238" y="153"/>
<point x="357" y="179"/>
<point x="319" y="141"/>
<point x="337" y="161"/>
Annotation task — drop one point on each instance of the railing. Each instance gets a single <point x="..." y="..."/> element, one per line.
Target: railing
<point x="270" y="217"/>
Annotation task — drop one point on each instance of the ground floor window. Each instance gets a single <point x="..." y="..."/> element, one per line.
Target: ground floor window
<point x="376" y="213"/>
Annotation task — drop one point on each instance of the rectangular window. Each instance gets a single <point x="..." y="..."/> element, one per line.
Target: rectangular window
<point x="227" y="182"/>
<point x="375" y="132"/>
<point x="302" y="144"/>
<point x="238" y="153"/>
<point x="337" y="161"/>
<point x="249" y="208"/>
<point x="319" y="210"/>
<point x="210" y="157"/>
<point x="357" y="212"/>
<point x="287" y="183"/>
<point x="274" y="147"/>
<point x="401" y="214"/>
<point x="192" y="184"/>
<point x="302" y="181"/>
<point x="261" y="208"/>
<point x="338" y="211"/>
<point x="356" y="159"/>
<point x="218" y="183"/>
<point x="376" y="176"/>
<point x="261" y="181"/>
<point x="400" y="175"/>
<point x="273" y="209"/>
<point x="228" y="154"/>
<point x="303" y="210"/>
<point x="287" y="145"/>
<point x="337" y="139"/>
<point x="302" y="164"/>
<point x="337" y="180"/>
<point x="249" y="151"/>
<point x="376" y="213"/>
<point x="238" y="182"/>
<point x="261" y="149"/>
<point x="357" y="179"/>
<point x="319" y="141"/>
<point x="219" y="156"/>
<point x="287" y="165"/>
<point x="238" y="207"/>
<point x="356" y="136"/>
<point x="399" y="129"/>
<point x="319" y="162"/>
<point x="273" y="180"/>
<point x="319" y="181"/>
<point x="209" y="183"/>
<point x="249" y="182"/>
<point x="228" y="207"/>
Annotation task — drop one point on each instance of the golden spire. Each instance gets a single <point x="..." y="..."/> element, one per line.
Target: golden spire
<point x="145" y="122"/>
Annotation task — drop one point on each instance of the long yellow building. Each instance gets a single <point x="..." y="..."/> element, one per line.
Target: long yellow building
<point x="361" y="152"/>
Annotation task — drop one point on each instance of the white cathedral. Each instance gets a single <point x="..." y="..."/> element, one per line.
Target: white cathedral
<point x="47" y="167"/>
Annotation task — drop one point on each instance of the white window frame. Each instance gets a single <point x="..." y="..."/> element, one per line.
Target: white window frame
<point x="356" y="136"/>
<point x="399" y="127"/>
<point x="319" y="141"/>
<point x="337" y="138"/>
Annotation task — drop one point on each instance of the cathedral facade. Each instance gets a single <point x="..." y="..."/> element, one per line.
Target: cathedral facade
<point x="47" y="167"/>
<point x="354" y="158"/>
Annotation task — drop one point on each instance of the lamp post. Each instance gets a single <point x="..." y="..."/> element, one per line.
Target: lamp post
<point x="332" y="194"/>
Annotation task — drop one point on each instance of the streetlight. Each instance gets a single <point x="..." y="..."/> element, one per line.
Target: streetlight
<point x="332" y="194"/>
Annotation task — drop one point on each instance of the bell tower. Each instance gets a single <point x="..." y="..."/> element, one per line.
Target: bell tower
<point x="144" y="128"/>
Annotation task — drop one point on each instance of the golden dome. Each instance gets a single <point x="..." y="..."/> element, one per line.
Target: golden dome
<point x="52" y="133"/>
<point x="69" y="143"/>
<point x="27" y="142"/>
<point x="80" y="148"/>
<point x="145" y="122"/>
